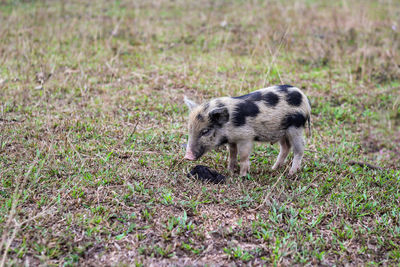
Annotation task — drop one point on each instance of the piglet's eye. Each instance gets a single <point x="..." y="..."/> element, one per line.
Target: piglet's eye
<point x="205" y="131"/>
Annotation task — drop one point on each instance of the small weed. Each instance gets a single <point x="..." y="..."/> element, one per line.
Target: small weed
<point x="167" y="198"/>
<point x="239" y="253"/>
<point x="189" y="247"/>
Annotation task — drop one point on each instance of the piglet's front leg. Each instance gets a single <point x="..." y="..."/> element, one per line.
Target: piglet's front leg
<point x="232" y="157"/>
<point x="244" y="148"/>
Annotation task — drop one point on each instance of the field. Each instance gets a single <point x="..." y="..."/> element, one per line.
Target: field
<point x="93" y="128"/>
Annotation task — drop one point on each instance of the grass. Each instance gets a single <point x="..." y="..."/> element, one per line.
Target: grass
<point x="92" y="127"/>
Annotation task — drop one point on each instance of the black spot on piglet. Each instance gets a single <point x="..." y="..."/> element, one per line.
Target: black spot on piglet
<point x="255" y="96"/>
<point x="284" y="88"/>
<point x="243" y="110"/>
<point x="296" y="119"/>
<point x="219" y="116"/>
<point x="271" y="99"/>
<point x="294" y="98"/>
<point x="206" y="174"/>
<point x="223" y="141"/>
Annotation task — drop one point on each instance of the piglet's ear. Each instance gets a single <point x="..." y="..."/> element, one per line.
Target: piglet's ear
<point x="219" y="116"/>
<point x="191" y="105"/>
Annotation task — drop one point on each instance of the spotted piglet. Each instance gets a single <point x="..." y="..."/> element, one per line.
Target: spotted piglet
<point x="273" y="114"/>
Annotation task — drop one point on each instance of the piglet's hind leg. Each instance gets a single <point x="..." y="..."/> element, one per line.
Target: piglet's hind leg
<point x="285" y="149"/>
<point x="297" y="140"/>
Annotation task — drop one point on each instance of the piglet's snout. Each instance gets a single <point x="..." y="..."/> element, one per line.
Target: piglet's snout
<point x="189" y="155"/>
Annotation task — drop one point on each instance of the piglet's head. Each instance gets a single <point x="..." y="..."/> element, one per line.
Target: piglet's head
<point x="206" y="129"/>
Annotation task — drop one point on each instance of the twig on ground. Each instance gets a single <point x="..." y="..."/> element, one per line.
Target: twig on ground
<point x="5" y="241"/>
<point x="305" y="190"/>
<point x="269" y="193"/>
<point x="359" y="163"/>
<point x="11" y="120"/>
<point x="364" y="164"/>
<point x="175" y="164"/>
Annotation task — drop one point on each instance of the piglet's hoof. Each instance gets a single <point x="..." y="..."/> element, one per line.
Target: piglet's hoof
<point x="206" y="174"/>
<point x="233" y="169"/>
